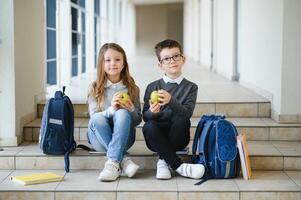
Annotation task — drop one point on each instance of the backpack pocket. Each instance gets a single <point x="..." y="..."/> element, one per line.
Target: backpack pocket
<point x="55" y="140"/>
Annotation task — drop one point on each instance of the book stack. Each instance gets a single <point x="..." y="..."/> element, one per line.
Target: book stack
<point x="31" y="179"/>
<point x="244" y="156"/>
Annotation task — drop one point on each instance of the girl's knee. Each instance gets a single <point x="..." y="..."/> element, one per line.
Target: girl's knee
<point x="96" y="119"/>
<point x="122" y="114"/>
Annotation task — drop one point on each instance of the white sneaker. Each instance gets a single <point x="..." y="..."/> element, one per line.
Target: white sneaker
<point x="110" y="172"/>
<point x="129" y="168"/>
<point x="162" y="170"/>
<point x="195" y="171"/>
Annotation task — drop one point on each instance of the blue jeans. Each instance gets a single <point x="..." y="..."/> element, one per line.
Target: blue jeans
<point x="114" y="135"/>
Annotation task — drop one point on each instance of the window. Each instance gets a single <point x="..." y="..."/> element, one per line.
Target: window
<point x="51" y="57"/>
<point x="78" y="37"/>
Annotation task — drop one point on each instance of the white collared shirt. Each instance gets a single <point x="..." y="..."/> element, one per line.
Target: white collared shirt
<point x="169" y="80"/>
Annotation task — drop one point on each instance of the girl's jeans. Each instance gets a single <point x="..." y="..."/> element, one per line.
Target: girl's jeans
<point x="115" y="135"/>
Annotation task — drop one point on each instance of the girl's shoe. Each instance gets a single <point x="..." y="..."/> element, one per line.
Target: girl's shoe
<point x="110" y="172"/>
<point x="195" y="171"/>
<point x="163" y="171"/>
<point x="129" y="168"/>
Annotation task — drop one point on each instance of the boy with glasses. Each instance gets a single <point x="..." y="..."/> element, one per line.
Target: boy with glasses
<point x="167" y="122"/>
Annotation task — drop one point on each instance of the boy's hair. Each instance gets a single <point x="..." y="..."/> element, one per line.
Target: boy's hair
<point x="167" y="44"/>
<point x="97" y="88"/>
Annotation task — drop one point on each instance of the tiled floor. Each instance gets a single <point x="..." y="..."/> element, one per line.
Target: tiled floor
<point x="79" y="182"/>
<point x="212" y="87"/>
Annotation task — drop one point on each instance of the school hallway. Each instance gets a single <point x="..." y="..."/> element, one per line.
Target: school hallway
<point x="257" y="93"/>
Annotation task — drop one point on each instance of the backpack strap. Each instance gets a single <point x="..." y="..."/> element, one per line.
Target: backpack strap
<point x="84" y="147"/>
<point x="67" y="161"/>
<point x="204" y="179"/>
<point x="198" y="132"/>
<point x="66" y="156"/>
<point x="64" y="88"/>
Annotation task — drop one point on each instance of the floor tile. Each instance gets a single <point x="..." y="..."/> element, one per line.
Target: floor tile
<point x="85" y="195"/>
<point x="208" y="196"/>
<point x="223" y="185"/>
<point x="20" y="195"/>
<point x="288" y="148"/>
<point x="8" y="185"/>
<point x="4" y="174"/>
<point x="267" y="181"/>
<point x="146" y="181"/>
<point x="85" y="180"/>
<point x="270" y="195"/>
<point x="147" y="195"/>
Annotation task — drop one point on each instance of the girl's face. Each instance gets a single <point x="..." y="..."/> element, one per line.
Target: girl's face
<point x="113" y="64"/>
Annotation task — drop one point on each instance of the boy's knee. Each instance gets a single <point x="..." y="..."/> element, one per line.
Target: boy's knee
<point x="181" y="120"/>
<point x="150" y="129"/>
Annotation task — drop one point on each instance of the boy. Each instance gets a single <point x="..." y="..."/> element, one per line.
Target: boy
<point x="167" y="122"/>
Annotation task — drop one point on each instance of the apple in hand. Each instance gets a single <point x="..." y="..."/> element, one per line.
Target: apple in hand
<point x="154" y="97"/>
<point x="124" y="98"/>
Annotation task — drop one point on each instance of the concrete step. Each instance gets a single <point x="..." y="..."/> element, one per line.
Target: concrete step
<point x="230" y="109"/>
<point x="83" y="184"/>
<point x="264" y="155"/>
<point x="258" y="129"/>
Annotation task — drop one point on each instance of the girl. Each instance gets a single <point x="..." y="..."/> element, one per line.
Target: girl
<point x="112" y="117"/>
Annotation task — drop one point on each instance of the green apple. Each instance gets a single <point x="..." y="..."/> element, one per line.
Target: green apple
<point x="154" y="97"/>
<point x="124" y="98"/>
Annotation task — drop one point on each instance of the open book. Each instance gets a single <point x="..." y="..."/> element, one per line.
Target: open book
<point x="30" y="179"/>
<point x="244" y="156"/>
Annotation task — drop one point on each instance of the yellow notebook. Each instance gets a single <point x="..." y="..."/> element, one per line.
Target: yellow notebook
<point x="30" y="179"/>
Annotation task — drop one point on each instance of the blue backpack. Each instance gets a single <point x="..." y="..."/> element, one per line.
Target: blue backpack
<point x="215" y="140"/>
<point x="57" y="127"/>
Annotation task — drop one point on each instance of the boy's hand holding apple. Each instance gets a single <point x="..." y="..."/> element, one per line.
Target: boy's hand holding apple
<point x="164" y="97"/>
<point x="154" y="102"/>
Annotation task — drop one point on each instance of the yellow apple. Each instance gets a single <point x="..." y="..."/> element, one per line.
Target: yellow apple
<point x="154" y="97"/>
<point x="124" y="98"/>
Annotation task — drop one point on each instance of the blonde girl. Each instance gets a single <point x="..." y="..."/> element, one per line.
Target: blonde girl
<point x="112" y="118"/>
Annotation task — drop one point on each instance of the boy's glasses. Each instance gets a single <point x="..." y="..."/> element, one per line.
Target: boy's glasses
<point x="176" y="57"/>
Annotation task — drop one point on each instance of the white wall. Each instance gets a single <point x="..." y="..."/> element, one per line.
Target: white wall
<point x="261" y="47"/>
<point x="224" y="38"/>
<point x="29" y="57"/>
<point x="291" y="69"/>
<point x="22" y="65"/>
<point x="7" y="74"/>
<point x="152" y="26"/>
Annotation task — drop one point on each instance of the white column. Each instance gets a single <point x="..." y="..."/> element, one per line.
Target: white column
<point x="64" y="42"/>
<point x="7" y="75"/>
<point x="195" y="30"/>
<point x="104" y="25"/>
<point x="90" y="41"/>
<point x="206" y="33"/>
<point x="291" y="63"/>
<point x="129" y="28"/>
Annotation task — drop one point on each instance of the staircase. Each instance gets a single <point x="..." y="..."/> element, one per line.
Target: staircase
<point x="275" y="152"/>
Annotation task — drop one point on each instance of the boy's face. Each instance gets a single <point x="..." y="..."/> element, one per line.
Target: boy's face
<point x="171" y="62"/>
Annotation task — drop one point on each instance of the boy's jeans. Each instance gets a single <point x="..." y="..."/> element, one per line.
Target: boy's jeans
<point x="115" y="135"/>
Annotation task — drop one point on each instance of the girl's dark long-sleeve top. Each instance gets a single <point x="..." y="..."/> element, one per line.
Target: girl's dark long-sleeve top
<point x="183" y="99"/>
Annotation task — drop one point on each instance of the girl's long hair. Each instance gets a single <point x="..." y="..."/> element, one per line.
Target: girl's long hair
<point x="97" y="88"/>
